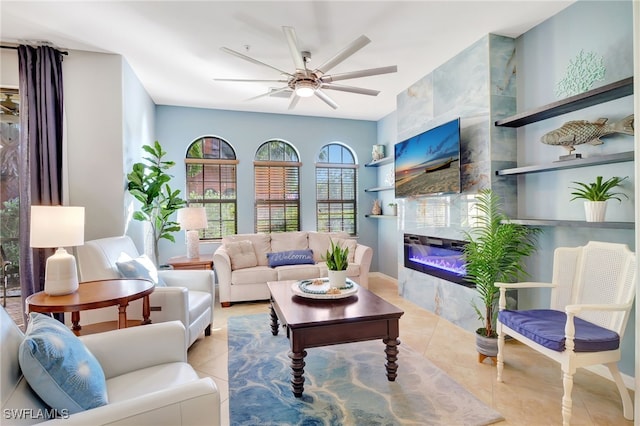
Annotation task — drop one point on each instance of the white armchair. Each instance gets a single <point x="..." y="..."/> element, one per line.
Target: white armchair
<point x="149" y="381"/>
<point x="188" y="297"/>
<point x="593" y="289"/>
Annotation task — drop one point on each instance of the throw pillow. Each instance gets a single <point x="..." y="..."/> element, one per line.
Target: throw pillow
<point x="291" y="257"/>
<point x="241" y="254"/>
<point x="59" y="367"/>
<point x="140" y="267"/>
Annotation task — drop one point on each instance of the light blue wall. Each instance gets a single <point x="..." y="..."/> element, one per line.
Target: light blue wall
<point x="543" y="54"/>
<point x="178" y="127"/>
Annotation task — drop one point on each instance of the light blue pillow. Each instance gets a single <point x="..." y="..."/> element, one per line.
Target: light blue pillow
<point x="140" y="267"/>
<point x="59" y="367"/>
<point x="291" y="257"/>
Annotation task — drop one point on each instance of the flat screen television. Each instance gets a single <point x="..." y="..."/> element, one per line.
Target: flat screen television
<point x="429" y="163"/>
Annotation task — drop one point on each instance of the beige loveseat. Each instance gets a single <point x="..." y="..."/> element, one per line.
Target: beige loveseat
<point x="242" y="261"/>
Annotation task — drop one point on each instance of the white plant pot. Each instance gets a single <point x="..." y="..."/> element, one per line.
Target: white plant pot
<point x="337" y="279"/>
<point x="595" y="210"/>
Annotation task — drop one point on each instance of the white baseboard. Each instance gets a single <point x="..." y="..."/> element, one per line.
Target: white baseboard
<point x="603" y="371"/>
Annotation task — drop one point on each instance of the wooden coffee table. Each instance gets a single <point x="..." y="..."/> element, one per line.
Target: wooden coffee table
<point x="94" y="295"/>
<point x="312" y="323"/>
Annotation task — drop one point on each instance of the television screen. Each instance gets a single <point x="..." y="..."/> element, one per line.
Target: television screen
<point x="429" y="163"/>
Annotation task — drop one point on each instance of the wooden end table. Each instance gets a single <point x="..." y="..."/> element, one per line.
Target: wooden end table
<point x="205" y="261"/>
<point x="313" y="323"/>
<point x="94" y="295"/>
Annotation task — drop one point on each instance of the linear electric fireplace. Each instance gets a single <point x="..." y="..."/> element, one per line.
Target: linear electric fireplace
<point x="440" y="257"/>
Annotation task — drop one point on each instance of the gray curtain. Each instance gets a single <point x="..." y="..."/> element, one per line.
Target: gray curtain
<point x="40" y="73"/>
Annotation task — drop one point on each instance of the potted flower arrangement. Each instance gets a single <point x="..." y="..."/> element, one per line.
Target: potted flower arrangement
<point x="394" y="209"/>
<point x="495" y="252"/>
<point x="596" y="195"/>
<point x="337" y="261"/>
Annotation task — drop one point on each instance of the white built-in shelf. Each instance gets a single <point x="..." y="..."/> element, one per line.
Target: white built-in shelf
<point x="381" y="162"/>
<point x="381" y="216"/>
<point x="379" y="188"/>
<point x="574" y="223"/>
<point x="619" y="157"/>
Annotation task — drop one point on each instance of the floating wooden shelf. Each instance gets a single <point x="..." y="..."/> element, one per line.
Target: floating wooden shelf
<point x="379" y="188"/>
<point x="569" y="164"/>
<point x="574" y="223"/>
<point x="381" y="162"/>
<point x="606" y="93"/>
<point x="380" y="216"/>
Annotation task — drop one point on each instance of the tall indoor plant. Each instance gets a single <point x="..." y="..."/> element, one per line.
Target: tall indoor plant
<point x="337" y="262"/>
<point x="148" y="182"/>
<point x="495" y="252"/>
<point x="596" y="195"/>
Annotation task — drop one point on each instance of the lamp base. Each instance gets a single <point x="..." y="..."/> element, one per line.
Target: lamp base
<point x="61" y="276"/>
<point x="193" y="244"/>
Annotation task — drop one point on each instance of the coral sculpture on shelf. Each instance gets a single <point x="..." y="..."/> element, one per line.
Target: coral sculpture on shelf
<point x="376" y="210"/>
<point x="582" y="72"/>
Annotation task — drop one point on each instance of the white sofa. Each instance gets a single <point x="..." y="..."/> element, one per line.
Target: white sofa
<point x="149" y="381"/>
<point x="250" y="283"/>
<point x="188" y="297"/>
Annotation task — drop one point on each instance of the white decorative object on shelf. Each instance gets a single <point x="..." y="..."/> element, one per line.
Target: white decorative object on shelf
<point x="582" y="72"/>
<point x="377" y="153"/>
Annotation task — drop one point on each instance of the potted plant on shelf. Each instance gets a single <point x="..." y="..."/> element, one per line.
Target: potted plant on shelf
<point x="495" y="252"/>
<point x="596" y="195"/>
<point x="148" y="182"/>
<point x="337" y="261"/>
<point x="394" y="209"/>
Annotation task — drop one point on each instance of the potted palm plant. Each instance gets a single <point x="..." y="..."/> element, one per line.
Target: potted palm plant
<point x="148" y="182"/>
<point x="596" y="195"/>
<point x="495" y="252"/>
<point x="337" y="262"/>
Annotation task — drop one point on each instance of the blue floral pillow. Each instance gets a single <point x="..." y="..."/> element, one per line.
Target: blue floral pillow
<point x="59" y="367"/>
<point x="291" y="257"/>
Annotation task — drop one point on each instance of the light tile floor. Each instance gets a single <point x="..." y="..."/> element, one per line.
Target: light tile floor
<point x="530" y="394"/>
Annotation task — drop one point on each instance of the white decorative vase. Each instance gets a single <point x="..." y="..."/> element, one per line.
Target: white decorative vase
<point x="595" y="210"/>
<point x="337" y="279"/>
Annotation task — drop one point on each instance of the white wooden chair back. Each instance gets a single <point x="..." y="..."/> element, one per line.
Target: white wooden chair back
<point x="597" y="273"/>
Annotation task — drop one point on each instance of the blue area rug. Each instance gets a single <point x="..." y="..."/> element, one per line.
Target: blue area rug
<point x="344" y="384"/>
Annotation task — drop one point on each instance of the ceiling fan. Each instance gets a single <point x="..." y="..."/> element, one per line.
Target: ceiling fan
<point x="304" y="82"/>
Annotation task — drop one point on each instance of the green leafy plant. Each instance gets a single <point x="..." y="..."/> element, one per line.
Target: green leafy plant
<point x="495" y="252"/>
<point x="148" y="182"/>
<point x="599" y="190"/>
<point x="336" y="258"/>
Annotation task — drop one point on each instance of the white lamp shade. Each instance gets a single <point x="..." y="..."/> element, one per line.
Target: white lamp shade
<point x="57" y="226"/>
<point x="191" y="218"/>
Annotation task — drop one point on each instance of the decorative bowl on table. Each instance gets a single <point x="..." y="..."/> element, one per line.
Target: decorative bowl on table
<point x="320" y="288"/>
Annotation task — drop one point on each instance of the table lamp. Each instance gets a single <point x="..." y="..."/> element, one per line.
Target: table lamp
<point x="192" y="219"/>
<point x="58" y="226"/>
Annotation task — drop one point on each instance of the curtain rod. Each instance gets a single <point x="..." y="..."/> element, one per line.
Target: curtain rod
<point x="16" y="48"/>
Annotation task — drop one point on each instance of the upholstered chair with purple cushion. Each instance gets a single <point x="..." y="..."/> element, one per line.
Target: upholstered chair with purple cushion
<point x="592" y="292"/>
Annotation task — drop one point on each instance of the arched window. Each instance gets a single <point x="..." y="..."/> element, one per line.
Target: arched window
<point x="212" y="183"/>
<point x="336" y="189"/>
<point x="277" y="184"/>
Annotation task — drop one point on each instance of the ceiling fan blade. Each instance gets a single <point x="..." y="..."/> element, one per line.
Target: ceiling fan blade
<point x="352" y="48"/>
<point x="357" y="74"/>
<point x="253" y="61"/>
<point x="269" y="93"/>
<point x="319" y="93"/>
<point x="292" y="40"/>
<point x="294" y="100"/>
<point x="351" y="89"/>
<point x="243" y="80"/>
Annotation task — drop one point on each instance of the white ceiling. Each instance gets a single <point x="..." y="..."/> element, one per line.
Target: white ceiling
<point x="174" y="46"/>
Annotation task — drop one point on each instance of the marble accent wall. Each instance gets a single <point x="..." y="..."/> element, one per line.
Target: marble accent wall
<point x="477" y="85"/>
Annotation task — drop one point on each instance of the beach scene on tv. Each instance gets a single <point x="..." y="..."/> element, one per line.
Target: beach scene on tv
<point x="429" y="163"/>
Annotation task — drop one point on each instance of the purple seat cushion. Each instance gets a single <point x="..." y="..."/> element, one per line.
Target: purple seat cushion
<point x="546" y="327"/>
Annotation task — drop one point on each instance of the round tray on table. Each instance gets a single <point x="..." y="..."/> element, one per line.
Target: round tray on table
<point x="320" y="289"/>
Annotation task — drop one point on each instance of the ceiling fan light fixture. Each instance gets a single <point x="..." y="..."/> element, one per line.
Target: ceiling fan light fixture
<point x="305" y="89"/>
